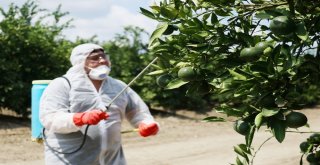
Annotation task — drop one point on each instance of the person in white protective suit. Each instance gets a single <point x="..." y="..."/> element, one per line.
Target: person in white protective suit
<point x="68" y="106"/>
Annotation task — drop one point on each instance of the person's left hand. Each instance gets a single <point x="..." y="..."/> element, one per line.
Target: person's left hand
<point x="148" y="129"/>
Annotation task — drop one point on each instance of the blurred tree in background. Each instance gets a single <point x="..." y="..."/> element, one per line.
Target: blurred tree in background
<point x="31" y="48"/>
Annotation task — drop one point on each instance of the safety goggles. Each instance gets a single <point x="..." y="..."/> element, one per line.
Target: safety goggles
<point x="97" y="57"/>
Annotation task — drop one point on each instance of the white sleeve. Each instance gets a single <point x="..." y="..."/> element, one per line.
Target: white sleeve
<point x="137" y="111"/>
<point x="54" y="105"/>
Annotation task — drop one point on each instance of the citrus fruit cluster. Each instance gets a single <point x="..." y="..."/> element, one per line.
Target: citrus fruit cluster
<point x="254" y="53"/>
<point x="282" y="26"/>
<point x="292" y="120"/>
<point x="310" y="147"/>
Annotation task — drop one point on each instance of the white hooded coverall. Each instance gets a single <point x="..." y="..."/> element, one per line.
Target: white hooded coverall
<point x="103" y="142"/>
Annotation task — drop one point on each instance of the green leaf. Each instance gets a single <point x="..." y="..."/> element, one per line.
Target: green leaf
<point x="249" y="136"/>
<point x="175" y="84"/>
<point x="197" y="45"/>
<point x="258" y="120"/>
<point x="147" y="13"/>
<point x="214" y="18"/>
<point x="189" y="29"/>
<point x="264" y="28"/>
<point x="213" y="119"/>
<point x="169" y="12"/>
<point x="197" y="22"/>
<point x="158" y="32"/>
<point x="155" y="9"/>
<point x="223" y="12"/>
<point x="242" y="90"/>
<point x="245" y="148"/>
<point x="269" y="112"/>
<point x="161" y="48"/>
<point x="278" y="128"/>
<point x="238" y="161"/>
<point x="285" y="50"/>
<point x="156" y="66"/>
<point x="157" y="72"/>
<point x="196" y="2"/>
<point x="185" y="11"/>
<point x="260" y="66"/>
<point x="205" y="17"/>
<point x="229" y="111"/>
<point x="301" y="31"/>
<point x="270" y="67"/>
<point x="239" y="151"/>
<point x="237" y="76"/>
<point x="274" y="55"/>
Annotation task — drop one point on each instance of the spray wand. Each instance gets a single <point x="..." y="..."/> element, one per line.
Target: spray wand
<point x="125" y="88"/>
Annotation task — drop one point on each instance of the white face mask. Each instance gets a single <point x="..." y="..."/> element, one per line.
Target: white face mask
<point x="99" y="73"/>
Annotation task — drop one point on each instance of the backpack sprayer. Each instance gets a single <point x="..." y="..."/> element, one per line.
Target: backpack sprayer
<point x="38" y="86"/>
<point x="37" y="90"/>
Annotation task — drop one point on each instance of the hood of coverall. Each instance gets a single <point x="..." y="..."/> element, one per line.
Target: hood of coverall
<point x="79" y="55"/>
<point x="81" y="52"/>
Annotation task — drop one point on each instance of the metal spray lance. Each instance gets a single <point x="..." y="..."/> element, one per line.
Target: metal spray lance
<point x="128" y="85"/>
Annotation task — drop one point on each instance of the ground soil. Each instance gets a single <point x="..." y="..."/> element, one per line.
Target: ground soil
<point x="183" y="140"/>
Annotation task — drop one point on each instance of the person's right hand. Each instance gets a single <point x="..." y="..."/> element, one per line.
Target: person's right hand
<point x="91" y="117"/>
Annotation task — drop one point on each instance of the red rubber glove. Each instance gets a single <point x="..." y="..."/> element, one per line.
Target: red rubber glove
<point x="89" y="117"/>
<point x="148" y="129"/>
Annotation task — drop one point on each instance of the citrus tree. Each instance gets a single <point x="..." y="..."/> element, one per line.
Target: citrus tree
<point x="260" y="58"/>
<point x="30" y="49"/>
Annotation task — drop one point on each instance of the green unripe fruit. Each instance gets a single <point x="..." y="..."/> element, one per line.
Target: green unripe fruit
<point x="304" y="147"/>
<point x="267" y="51"/>
<point x="187" y="74"/>
<point x="314" y="138"/>
<point x="163" y="80"/>
<point x="311" y="158"/>
<point x="250" y="54"/>
<point x="296" y="119"/>
<point x="261" y="46"/>
<point x="282" y="25"/>
<point x="241" y="127"/>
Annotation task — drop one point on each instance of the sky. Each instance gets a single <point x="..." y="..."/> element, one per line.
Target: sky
<point x="103" y="18"/>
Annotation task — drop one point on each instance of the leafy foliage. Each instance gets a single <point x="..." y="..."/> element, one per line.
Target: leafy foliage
<point x="255" y="55"/>
<point x="310" y="148"/>
<point x="129" y="56"/>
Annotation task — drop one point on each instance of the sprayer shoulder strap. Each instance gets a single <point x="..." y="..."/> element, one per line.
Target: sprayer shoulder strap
<point x="67" y="80"/>
<point x="69" y="86"/>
